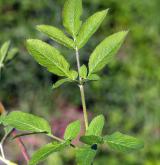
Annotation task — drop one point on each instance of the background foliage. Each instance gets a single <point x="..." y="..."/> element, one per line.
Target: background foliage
<point x="128" y="92"/>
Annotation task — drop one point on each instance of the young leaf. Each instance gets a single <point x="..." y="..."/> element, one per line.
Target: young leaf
<point x="91" y="139"/>
<point x="73" y="74"/>
<point x="26" y="122"/>
<point x="93" y="77"/>
<point x="83" y="71"/>
<point x="72" y="130"/>
<point x="61" y="82"/>
<point x="45" y="151"/>
<point x="105" y="51"/>
<point x="85" y="155"/>
<point x="3" y="51"/>
<point x="72" y="12"/>
<point x="48" y="57"/>
<point x="90" y="27"/>
<point x="57" y="35"/>
<point x="11" y="54"/>
<point x="122" y="142"/>
<point x="96" y="126"/>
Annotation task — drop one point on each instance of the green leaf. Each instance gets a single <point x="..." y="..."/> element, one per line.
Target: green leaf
<point x="73" y="74"/>
<point x="96" y="126"/>
<point x="11" y="54"/>
<point x="61" y="82"/>
<point x="72" y="130"/>
<point x="72" y="12"/>
<point x="48" y="57"/>
<point x="83" y="71"/>
<point x="122" y="142"/>
<point x="91" y="139"/>
<point x="90" y="27"/>
<point x="26" y="122"/>
<point x="93" y="77"/>
<point x="105" y="51"/>
<point x="3" y="51"/>
<point x="2" y="117"/>
<point x="45" y="151"/>
<point x="85" y="156"/>
<point x="57" y="35"/>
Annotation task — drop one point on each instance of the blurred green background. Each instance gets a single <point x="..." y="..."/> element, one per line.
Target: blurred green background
<point x="128" y="93"/>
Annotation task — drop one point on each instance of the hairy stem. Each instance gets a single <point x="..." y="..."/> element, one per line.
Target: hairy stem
<point x="82" y="91"/>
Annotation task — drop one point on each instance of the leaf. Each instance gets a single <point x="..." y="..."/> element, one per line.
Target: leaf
<point x="90" y="27"/>
<point x="83" y="71"/>
<point x="57" y="35"/>
<point x="72" y="12"/>
<point x="96" y="126"/>
<point x="105" y="50"/>
<point x="11" y="54"/>
<point x="122" y="142"/>
<point x="91" y="139"/>
<point x="27" y="122"/>
<point x="93" y="77"/>
<point x="72" y="130"/>
<point x="3" y="51"/>
<point x="73" y="74"/>
<point x="48" y="57"/>
<point x="2" y="117"/>
<point x="45" y="151"/>
<point x="85" y="156"/>
<point x="61" y="82"/>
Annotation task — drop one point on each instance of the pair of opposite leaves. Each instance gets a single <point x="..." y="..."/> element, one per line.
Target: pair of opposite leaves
<point x="52" y="59"/>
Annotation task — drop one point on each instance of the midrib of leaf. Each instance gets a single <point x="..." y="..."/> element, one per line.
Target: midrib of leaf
<point x="46" y="153"/>
<point x="25" y="124"/>
<point x="99" y="60"/>
<point x="55" y="63"/>
<point x="120" y="144"/>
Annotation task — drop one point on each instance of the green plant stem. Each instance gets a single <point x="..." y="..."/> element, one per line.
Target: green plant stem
<point x="56" y="138"/>
<point x="2" y="151"/>
<point x="82" y="91"/>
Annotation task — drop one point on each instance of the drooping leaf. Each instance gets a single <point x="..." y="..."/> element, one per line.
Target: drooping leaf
<point x="3" y="51"/>
<point x="83" y="71"/>
<point x="61" y="82"/>
<point x="85" y="155"/>
<point x="72" y="12"/>
<point x="26" y="122"/>
<point x="91" y="139"/>
<point x="93" y="77"/>
<point x="105" y="50"/>
<point x="11" y="54"/>
<point x="96" y="126"/>
<point x="45" y="151"/>
<point x="57" y="35"/>
<point x="122" y="142"/>
<point x="72" y="130"/>
<point x="48" y="57"/>
<point x="90" y="27"/>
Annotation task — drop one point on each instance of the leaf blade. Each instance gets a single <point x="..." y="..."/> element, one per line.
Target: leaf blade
<point x="45" y="151"/>
<point x="56" y="35"/>
<point x="105" y="51"/>
<point x="89" y="27"/>
<point x="122" y="142"/>
<point x="91" y="139"/>
<point x="48" y="57"/>
<point x="72" y="130"/>
<point x="83" y="72"/>
<point x="4" y="50"/>
<point x="85" y="156"/>
<point x="60" y="82"/>
<point x="72" y="12"/>
<point x="26" y="122"/>
<point x="96" y="126"/>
